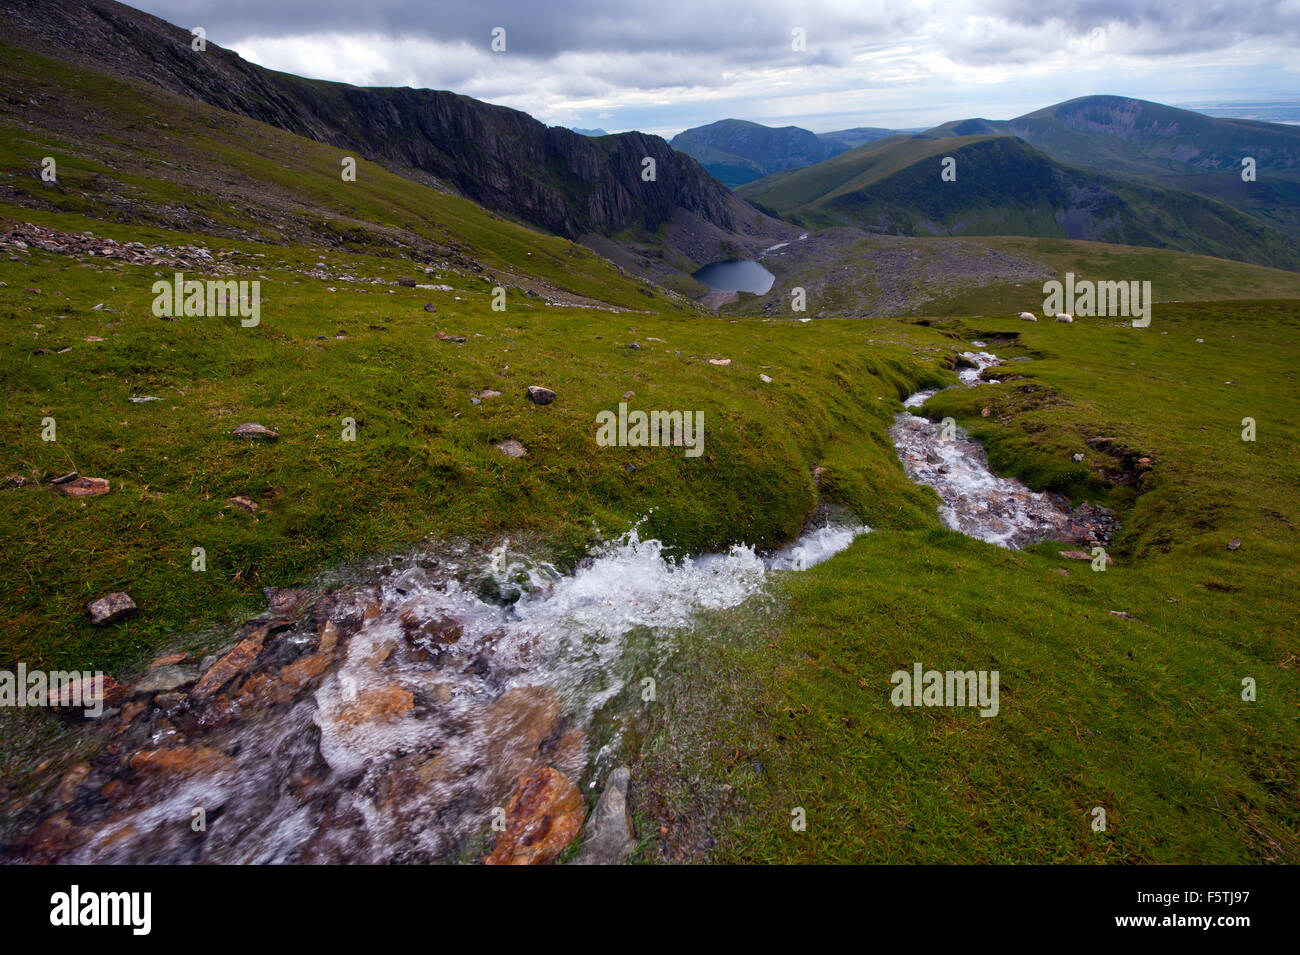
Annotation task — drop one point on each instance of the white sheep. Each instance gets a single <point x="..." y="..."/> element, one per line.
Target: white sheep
<point x="1065" y="317"/>
<point x="1028" y="317"/>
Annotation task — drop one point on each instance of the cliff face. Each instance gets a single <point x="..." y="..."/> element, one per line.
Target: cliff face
<point x="501" y="158"/>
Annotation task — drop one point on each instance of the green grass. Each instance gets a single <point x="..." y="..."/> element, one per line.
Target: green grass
<point x="1143" y="717"/>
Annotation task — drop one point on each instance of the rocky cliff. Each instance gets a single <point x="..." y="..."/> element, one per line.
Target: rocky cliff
<point x="504" y="159"/>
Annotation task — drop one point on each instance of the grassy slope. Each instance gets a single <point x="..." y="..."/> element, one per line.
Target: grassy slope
<point x="1142" y="717"/>
<point x="158" y="160"/>
<point x="1174" y="276"/>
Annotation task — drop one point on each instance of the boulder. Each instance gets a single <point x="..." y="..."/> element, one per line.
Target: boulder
<point x="542" y="817"/>
<point x="230" y="666"/>
<point x="77" y="486"/>
<point x="164" y="679"/>
<point x="253" y="430"/>
<point x="609" y="837"/>
<point x="111" y="608"/>
<point x="539" y="395"/>
<point x="510" y="448"/>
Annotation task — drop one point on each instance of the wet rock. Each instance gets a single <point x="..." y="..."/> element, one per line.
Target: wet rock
<point x="66" y="791"/>
<point x="278" y="688"/>
<point x="55" y="837"/>
<point x="569" y="754"/>
<point x="111" y="608"/>
<point x="542" y="817"/>
<point x="513" y="731"/>
<point x="230" y="666"/>
<point x="253" y="430"/>
<point x="285" y="601"/>
<point x="329" y="637"/>
<point x="167" y="678"/>
<point x="179" y="760"/>
<point x="78" y="486"/>
<point x="168" y="660"/>
<point x="609" y="837"/>
<point x="539" y="395"/>
<point x="379" y="704"/>
<point x="130" y="711"/>
<point x="510" y="448"/>
<point x="435" y="628"/>
<point x="78" y="693"/>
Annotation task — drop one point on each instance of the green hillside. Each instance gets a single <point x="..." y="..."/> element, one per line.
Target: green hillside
<point x="1005" y="187"/>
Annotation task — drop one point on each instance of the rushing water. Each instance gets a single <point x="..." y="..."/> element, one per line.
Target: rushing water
<point x="431" y="688"/>
<point x="739" y="276"/>
<point x="975" y="500"/>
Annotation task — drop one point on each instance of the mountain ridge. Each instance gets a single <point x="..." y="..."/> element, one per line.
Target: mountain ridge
<point x="550" y="177"/>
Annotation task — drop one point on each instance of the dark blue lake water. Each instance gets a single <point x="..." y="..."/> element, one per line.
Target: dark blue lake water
<point x="736" y="277"/>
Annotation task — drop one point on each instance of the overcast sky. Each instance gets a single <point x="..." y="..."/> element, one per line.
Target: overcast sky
<point x="664" y="65"/>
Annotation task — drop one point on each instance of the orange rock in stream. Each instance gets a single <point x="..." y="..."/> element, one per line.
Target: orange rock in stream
<point x="231" y="665"/>
<point x="373" y="706"/>
<point x="543" y="816"/>
<point x="180" y="759"/>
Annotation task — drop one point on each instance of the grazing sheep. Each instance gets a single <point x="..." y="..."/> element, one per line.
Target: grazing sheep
<point x="1065" y="317"/>
<point x="1028" y="317"/>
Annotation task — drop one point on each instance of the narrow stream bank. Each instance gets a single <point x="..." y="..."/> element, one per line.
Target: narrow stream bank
<point x="977" y="502"/>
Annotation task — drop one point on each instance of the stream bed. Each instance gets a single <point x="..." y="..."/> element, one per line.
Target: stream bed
<point x="976" y="501"/>
<point x="387" y="720"/>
